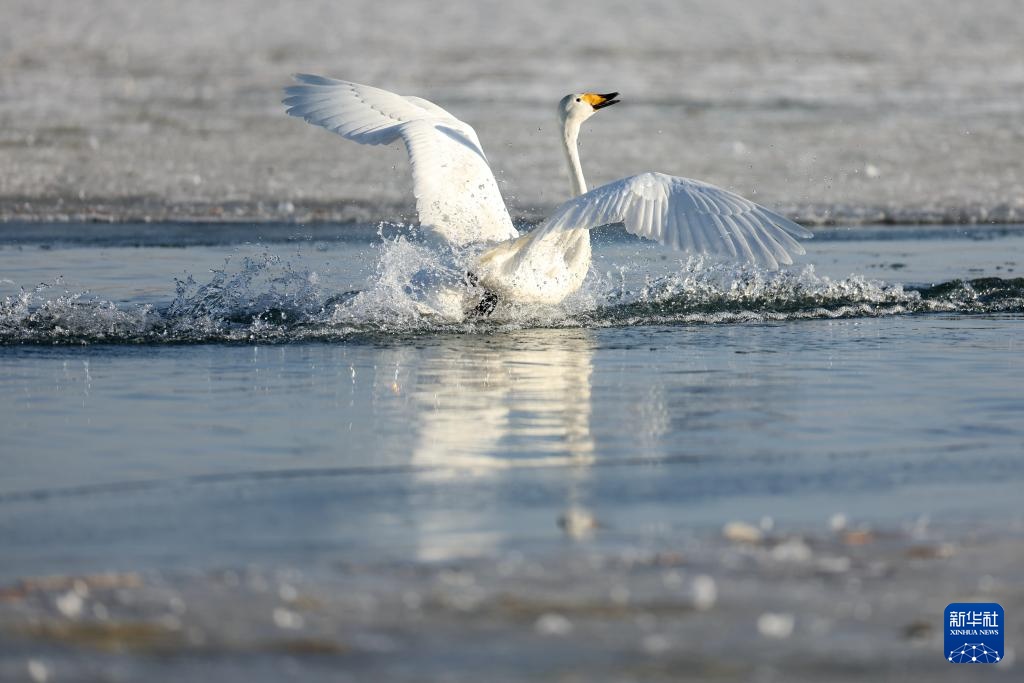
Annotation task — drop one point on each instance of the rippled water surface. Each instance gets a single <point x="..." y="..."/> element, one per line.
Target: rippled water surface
<point x="899" y="348"/>
<point x="186" y="402"/>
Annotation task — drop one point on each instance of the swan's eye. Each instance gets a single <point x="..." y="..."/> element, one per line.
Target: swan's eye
<point x="577" y="99"/>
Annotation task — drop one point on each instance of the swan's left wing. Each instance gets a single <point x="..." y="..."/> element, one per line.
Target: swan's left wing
<point x="457" y="197"/>
<point x="685" y="214"/>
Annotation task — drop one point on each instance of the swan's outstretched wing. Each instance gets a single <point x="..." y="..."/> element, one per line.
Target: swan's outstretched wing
<point x="685" y="214"/>
<point x="456" y="194"/>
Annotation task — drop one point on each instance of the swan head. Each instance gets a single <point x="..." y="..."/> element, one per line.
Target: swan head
<point x="578" y="107"/>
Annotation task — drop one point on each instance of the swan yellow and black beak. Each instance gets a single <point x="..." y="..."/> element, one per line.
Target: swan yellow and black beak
<point x="600" y="101"/>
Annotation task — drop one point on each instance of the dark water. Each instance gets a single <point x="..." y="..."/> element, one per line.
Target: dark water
<point x="260" y="419"/>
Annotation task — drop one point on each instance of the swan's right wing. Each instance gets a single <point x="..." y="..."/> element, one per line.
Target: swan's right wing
<point x="685" y="214"/>
<point x="456" y="194"/>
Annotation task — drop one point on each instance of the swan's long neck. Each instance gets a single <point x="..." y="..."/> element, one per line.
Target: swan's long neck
<point x="570" y="132"/>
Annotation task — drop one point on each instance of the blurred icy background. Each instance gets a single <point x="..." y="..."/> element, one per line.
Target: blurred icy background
<point x="875" y="110"/>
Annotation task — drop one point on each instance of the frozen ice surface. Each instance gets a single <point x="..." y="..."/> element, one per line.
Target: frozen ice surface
<point x="872" y="111"/>
<point x="551" y="617"/>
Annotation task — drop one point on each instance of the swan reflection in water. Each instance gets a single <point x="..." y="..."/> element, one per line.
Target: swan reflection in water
<point x="477" y="407"/>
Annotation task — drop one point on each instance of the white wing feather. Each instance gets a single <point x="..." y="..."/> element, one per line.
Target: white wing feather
<point x="456" y="193"/>
<point x="684" y="214"/>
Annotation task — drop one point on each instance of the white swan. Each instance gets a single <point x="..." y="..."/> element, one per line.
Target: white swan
<point x="458" y="201"/>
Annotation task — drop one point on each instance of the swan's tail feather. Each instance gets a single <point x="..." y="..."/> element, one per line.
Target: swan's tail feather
<point x="500" y="256"/>
<point x="538" y="267"/>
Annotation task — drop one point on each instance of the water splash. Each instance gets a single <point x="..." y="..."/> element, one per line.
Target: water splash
<point x="417" y="289"/>
<point x="264" y="295"/>
<point x="707" y="292"/>
<point x="69" y="317"/>
<point x="414" y="284"/>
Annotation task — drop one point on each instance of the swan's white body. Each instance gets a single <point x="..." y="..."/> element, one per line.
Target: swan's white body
<point x="458" y="200"/>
